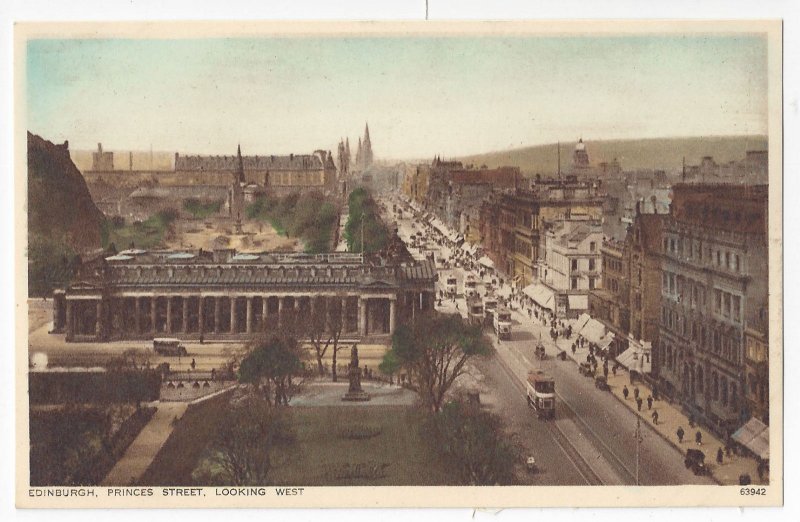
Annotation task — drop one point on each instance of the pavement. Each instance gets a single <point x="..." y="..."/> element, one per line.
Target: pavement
<point x="144" y="448"/>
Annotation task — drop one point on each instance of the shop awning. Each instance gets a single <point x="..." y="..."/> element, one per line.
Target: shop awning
<point x="578" y="302"/>
<point x="636" y="357"/>
<point x="595" y="332"/>
<point x="486" y="261"/>
<point x="754" y="435"/>
<point x="540" y="294"/>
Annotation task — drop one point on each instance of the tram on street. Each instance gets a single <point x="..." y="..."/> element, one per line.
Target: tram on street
<point x="451" y="286"/>
<point x="475" y="313"/>
<point x="502" y="323"/>
<point x="541" y="393"/>
<point x="470" y="285"/>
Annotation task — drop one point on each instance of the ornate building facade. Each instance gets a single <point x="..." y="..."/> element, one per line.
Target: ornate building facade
<point x="714" y="285"/>
<point x="228" y="295"/>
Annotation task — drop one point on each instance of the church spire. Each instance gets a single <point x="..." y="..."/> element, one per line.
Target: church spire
<point x="239" y="165"/>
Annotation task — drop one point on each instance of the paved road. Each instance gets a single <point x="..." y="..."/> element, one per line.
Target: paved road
<point x="593" y="439"/>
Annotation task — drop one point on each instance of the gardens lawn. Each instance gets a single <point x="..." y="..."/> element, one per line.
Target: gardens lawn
<point x="328" y="452"/>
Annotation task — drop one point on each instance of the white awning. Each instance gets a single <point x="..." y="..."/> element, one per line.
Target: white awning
<point x="636" y="357"/>
<point x="595" y="332"/>
<point x="542" y="295"/>
<point x="486" y="261"/>
<point x="754" y="435"/>
<point x="578" y="302"/>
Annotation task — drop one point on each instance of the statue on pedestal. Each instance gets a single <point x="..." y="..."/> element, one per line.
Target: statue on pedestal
<point x="355" y="392"/>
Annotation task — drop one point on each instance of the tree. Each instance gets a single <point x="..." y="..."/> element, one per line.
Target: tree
<point x="324" y="329"/>
<point x="249" y="432"/>
<point x="435" y="348"/>
<point x="474" y="443"/>
<point x="271" y="363"/>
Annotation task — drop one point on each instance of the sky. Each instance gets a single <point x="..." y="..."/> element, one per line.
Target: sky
<point x="422" y="96"/>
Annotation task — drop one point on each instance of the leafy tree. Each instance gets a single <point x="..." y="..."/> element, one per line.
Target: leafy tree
<point x="271" y="363"/>
<point x="435" y="349"/>
<point x="474" y="443"/>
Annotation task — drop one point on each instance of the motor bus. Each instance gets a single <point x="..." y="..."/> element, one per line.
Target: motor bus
<point x="541" y="393"/>
<point x="168" y="346"/>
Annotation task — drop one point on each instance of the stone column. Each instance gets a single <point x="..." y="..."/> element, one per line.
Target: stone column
<point x="70" y="327"/>
<point x="264" y="303"/>
<point x="169" y="314"/>
<point x="98" y="325"/>
<point x="216" y="313"/>
<point x="392" y="312"/>
<point x="249" y="315"/>
<point x="153" y="301"/>
<point x="233" y="314"/>
<point x="280" y="309"/>
<point x="137" y="314"/>
<point x="185" y="318"/>
<point x="344" y="315"/>
<point x="201" y="327"/>
<point x="362" y="316"/>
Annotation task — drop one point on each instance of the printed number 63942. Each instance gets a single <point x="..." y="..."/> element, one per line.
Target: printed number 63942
<point x="753" y="491"/>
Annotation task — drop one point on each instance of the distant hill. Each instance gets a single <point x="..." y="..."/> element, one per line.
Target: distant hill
<point x="142" y="160"/>
<point x="62" y="218"/>
<point x="659" y="153"/>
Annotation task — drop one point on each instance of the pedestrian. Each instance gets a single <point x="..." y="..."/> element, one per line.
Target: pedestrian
<point x="193" y="364"/>
<point x="638" y="404"/>
<point x="698" y="438"/>
<point x="213" y="374"/>
<point x="614" y="370"/>
<point x="573" y="348"/>
<point x="625" y="392"/>
<point x="680" y="434"/>
<point x="456" y="304"/>
<point x="655" y="417"/>
<point x="636" y="392"/>
<point x="605" y="371"/>
<point x="649" y="402"/>
<point x="719" y="455"/>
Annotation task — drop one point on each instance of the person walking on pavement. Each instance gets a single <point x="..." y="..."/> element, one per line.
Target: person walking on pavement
<point x="193" y="365"/>
<point x="649" y="402"/>
<point x="614" y="370"/>
<point x="719" y="455"/>
<point x="636" y="392"/>
<point x="655" y="417"/>
<point x="680" y="434"/>
<point x="573" y="348"/>
<point x="638" y="404"/>
<point x="625" y="392"/>
<point x="698" y="438"/>
<point x="605" y="371"/>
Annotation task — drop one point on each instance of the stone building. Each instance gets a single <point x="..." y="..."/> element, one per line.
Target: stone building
<point x="570" y="266"/>
<point x="103" y="161"/>
<point x="756" y="361"/>
<point x="714" y="283"/>
<point x="228" y="295"/>
<point x="521" y="216"/>
<point x="279" y="175"/>
<point x="610" y="304"/>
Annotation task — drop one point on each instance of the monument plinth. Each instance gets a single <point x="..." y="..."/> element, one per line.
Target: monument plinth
<point x="355" y="392"/>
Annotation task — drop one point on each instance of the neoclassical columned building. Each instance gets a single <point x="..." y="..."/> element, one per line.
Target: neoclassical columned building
<point x="223" y="294"/>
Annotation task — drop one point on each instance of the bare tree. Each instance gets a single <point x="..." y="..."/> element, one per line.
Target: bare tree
<point x="245" y="441"/>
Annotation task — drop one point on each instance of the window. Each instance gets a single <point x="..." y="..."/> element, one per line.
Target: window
<point x="592" y="246"/>
<point x="717" y="301"/>
<point x="574" y="284"/>
<point x="591" y="265"/>
<point x="728" y="260"/>
<point x="591" y="283"/>
<point x="726" y="304"/>
<point x="737" y="308"/>
<point x="736" y="262"/>
<point x="574" y="264"/>
<point x="714" y="386"/>
<point x="724" y="391"/>
<point x="719" y="258"/>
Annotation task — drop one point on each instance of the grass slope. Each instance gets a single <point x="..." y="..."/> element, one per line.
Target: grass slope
<point x="659" y="153"/>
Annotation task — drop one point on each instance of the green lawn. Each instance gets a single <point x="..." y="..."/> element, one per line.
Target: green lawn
<point x="325" y="454"/>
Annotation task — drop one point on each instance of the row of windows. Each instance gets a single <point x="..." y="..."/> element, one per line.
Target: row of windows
<point x="728" y="305"/>
<point x="679" y="286"/>
<point x="720" y="388"/>
<point x="692" y="249"/>
<point x="709" y="339"/>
